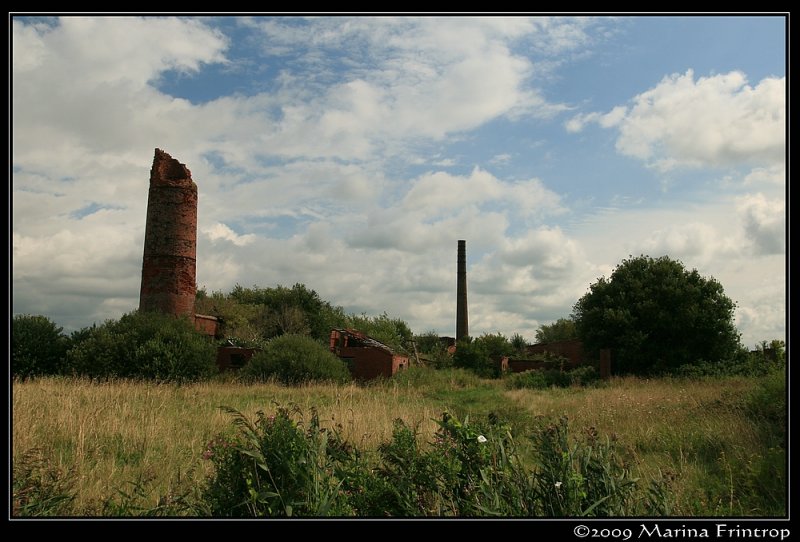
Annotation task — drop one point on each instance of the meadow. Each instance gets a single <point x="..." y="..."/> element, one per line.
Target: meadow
<point x="131" y="447"/>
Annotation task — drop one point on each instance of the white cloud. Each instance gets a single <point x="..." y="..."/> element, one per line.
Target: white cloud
<point x="293" y="180"/>
<point x="692" y="240"/>
<point x="435" y="192"/>
<point x="500" y="159"/>
<point x="221" y="231"/>
<point x="710" y="236"/>
<point x="607" y="120"/>
<point x="764" y="223"/>
<point x="773" y="175"/>
<point x="719" y="120"/>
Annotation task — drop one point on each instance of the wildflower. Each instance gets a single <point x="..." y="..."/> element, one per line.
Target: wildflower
<point x="481" y="439"/>
<point x="558" y="485"/>
<point x="208" y="454"/>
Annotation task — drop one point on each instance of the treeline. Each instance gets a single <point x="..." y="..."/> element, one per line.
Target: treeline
<point x="253" y="316"/>
<point x="655" y="316"/>
<point x="160" y="347"/>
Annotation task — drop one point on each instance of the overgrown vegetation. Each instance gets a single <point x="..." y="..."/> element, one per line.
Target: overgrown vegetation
<point x="656" y="316"/>
<point x="143" y="345"/>
<point x="39" y="488"/>
<point x="278" y="466"/>
<point x="295" y="359"/>
<point x="253" y="316"/>
<point x="547" y="378"/>
<point x="38" y="346"/>
<point x="714" y="446"/>
<point x="711" y="437"/>
<point x="562" y="329"/>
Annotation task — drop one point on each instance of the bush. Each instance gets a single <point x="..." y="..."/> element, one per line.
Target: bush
<point x="474" y="355"/>
<point x="144" y="345"/>
<point x="277" y="467"/>
<point x="740" y="363"/>
<point x="294" y="359"/>
<point x="585" y="375"/>
<point x="274" y="467"/>
<point x="589" y="477"/>
<point x="38" y="346"/>
<point x="538" y="380"/>
<point x="440" y="358"/>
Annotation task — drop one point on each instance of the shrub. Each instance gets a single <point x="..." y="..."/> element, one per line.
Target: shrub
<point x="585" y="375"/>
<point x="274" y="467"/>
<point x="539" y="379"/>
<point x="144" y="345"/>
<point x="474" y="355"/>
<point x="740" y="363"/>
<point x="277" y="467"/>
<point x="589" y="477"/>
<point x="38" y="346"/>
<point x="294" y="359"/>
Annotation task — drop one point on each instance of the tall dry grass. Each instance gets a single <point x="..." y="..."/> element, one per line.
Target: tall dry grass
<point x="692" y="431"/>
<point x="697" y="432"/>
<point x="115" y="433"/>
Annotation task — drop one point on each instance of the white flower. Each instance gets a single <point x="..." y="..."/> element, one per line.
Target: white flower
<point x="481" y="439"/>
<point x="558" y="485"/>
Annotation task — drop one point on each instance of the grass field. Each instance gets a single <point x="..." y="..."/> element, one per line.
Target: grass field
<point x="134" y="444"/>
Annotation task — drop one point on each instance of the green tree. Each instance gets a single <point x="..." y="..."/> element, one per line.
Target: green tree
<point x="497" y="345"/>
<point x="294" y="359"/>
<point x="428" y="342"/>
<point x="474" y="355"/>
<point x="144" y="345"/>
<point x="295" y="310"/>
<point x="518" y="343"/>
<point x="38" y="346"/>
<point x="239" y="320"/>
<point x="562" y="329"/>
<point x="656" y="316"/>
<point x="392" y="332"/>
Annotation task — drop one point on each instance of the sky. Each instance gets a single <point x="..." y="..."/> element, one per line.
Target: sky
<point x="350" y="154"/>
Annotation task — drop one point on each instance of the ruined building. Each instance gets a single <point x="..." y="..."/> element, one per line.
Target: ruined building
<point x="170" y="239"/>
<point x="462" y="326"/>
<point x="365" y="357"/>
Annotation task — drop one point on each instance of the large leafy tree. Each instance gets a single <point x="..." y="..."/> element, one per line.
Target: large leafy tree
<point x="656" y="316"/>
<point x="38" y="346"/>
<point x="561" y="330"/>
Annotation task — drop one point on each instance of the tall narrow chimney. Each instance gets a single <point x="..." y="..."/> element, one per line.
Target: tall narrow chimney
<point x="170" y="239"/>
<point x="462" y="326"/>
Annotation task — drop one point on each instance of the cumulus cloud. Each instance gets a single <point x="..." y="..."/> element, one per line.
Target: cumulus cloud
<point x="764" y="223"/>
<point x="607" y="120"/>
<point x="763" y="310"/>
<point x="221" y="231"/>
<point x="718" y="120"/>
<point x="298" y="180"/>
<point x="773" y="175"/>
<point x="690" y="241"/>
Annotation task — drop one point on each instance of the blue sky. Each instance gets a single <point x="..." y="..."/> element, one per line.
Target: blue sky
<point x="351" y="154"/>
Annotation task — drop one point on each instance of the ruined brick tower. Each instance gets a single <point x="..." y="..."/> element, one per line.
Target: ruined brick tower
<point x="170" y="239"/>
<point x="462" y="326"/>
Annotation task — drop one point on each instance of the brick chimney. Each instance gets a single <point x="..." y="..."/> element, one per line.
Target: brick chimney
<point x="170" y="239"/>
<point x="462" y="326"/>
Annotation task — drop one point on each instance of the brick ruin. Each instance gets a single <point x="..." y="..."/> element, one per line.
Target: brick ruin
<point x="169" y="264"/>
<point x="366" y="358"/>
<point x="169" y="283"/>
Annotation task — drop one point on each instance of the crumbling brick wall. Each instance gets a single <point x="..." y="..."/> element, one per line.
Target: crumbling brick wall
<point x="170" y="239"/>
